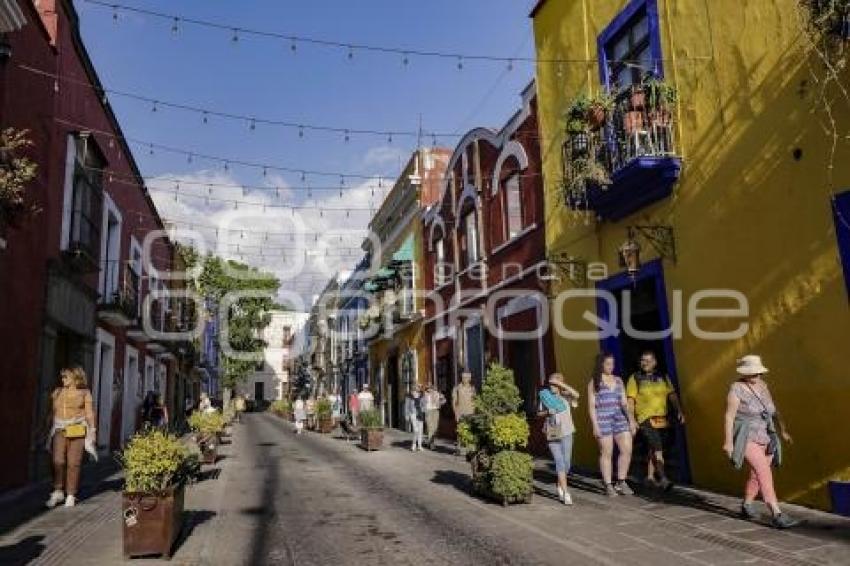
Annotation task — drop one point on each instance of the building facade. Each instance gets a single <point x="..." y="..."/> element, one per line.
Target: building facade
<point x="485" y="265"/>
<point x="273" y="377"/>
<point x="710" y="171"/>
<point x="399" y="358"/>
<point x="85" y="278"/>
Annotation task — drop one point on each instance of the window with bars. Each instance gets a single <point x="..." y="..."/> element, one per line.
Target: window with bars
<point x="630" y="46"/>
<point x="87" y="197"/>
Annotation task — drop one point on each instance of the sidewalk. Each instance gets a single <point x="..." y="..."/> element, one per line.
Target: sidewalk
<point x="689" y="516"/>
<point x="90" y="532"/>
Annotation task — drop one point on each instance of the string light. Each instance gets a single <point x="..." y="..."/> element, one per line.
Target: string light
<point x="253" y="125"/>
<point x="175" y="25"/>
<point x="235" y="38"/>
<point x="206" y="117"/>
<point x="460" y="63"/>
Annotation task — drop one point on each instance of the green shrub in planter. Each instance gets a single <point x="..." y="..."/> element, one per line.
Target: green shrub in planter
<point x="371" y="418"/>
<point x="154" y="461"/>
<point x="206" y="423"/>
<point x="509" y="432"/>
<point x="465" y="437"/>
<point x="281" y="407"/>
<point x="324" y="410"/>
<point x="511" y="475"/>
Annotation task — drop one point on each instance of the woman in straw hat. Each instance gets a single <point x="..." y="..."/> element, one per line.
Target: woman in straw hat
<point x="752" y="437"/>
<point x="559" y="428"/>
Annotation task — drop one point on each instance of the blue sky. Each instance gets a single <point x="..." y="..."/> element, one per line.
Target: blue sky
<point x="262" y="77"/>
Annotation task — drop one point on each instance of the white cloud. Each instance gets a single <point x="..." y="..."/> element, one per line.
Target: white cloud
<point x="386" y="157"/>
<point x="303" y="248"/>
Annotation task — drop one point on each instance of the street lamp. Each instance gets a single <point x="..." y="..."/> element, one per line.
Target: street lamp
<point x="630" y="254"/>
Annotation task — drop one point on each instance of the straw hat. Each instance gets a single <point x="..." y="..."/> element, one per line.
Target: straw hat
<point x="751" y="365"/>
<point x="557" y="380"/>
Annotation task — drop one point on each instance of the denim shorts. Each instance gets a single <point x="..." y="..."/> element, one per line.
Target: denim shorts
<point x="562" y="452"/>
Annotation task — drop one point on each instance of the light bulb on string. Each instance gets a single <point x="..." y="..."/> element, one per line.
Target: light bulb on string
<point x="342" y="180"/>
<point x="115" y="14"/>
<point x="253" y="125"/>
<point x="300" y="131"/>
<point x="460" y="63"/>
<point x="235" y="205"/>
<point x="510" y="64"/>
<point x="226" y="166"/>
<point x="303" y="176"/>
<point x="390" y="137"/>
<point x="175" y="25"/>
<point x="277" y="193"/>
<point x="293" y="46"/>
<point x="347" y="136"/>
<point x="244" y="191"/>
<point x="189" y="158"/>
<point x="154" y="106"/>
<point x="350" y="53"/>
<point x="235" y="38"/>
<point x="405" y="60"/>
<point x="433" y="140"/>
<point x="151" y="149"/>
<point x="380" y="184"/>
<point x="265" y="172"/>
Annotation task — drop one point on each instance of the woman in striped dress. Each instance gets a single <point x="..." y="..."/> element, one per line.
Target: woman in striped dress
<point x="612" y="423"/>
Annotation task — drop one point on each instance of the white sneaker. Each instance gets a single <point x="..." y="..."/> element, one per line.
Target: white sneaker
<point x="70" y="501"/>
<point x="560" y="493"/>
<point x="413" y="448"/>
<point x="567" y="498"/>
<point x="55" y="499"/>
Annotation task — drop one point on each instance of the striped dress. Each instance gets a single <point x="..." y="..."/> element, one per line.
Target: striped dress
<point x="610" y="415"/>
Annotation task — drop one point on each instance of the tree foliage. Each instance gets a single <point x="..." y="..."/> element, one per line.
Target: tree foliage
<point x="250" y="295"/>
<point x="15" y="172"/>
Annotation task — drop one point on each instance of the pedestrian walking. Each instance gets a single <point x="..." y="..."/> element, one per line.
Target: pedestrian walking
<point x="462" y="401"/>
<point x="310" y="409"/>
<point x="433" y="401"/>
<point x="72" y="431"/>
<point x="300" y="413"/>
<point x="239" y="406"/>
<point x="414" y="413"/>
<point x="365" y="399"/>
<point x="612" y="423"/>
<point x="354" y="407"/>
<point x="336" y="406"/>
<point x="754" y="430"/>
<point x="557" y="402"/>
<point x="649" y="394"/>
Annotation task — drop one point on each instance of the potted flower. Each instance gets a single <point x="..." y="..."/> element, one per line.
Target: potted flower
<point x="493" y="434"/>
<point x="577" y="126"/>
<point x="839" y="494"/>
<point x="207" y="426"/>
<point x="156" y="468"/>
<point x="371" y="430"/>
<point x="324" y="416"/>
<point x="599" y="108"/>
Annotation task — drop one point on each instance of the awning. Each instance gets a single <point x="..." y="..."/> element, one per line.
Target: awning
<point x="405" y="250"/>
<point x="11" y="17"/>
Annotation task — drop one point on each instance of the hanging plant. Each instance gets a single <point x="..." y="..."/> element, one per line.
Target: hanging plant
<point x="599" y="110"/>
<point x="15" y="172"/>
<point x="659" y="93"/>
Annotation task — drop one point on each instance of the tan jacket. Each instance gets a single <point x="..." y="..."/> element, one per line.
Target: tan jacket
<point x="462" y="400"/>
<point x="70" y="404"/>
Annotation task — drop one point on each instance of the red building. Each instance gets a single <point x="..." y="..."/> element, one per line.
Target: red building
<point x="73" y="276"/>
<point x="485" y="259"/>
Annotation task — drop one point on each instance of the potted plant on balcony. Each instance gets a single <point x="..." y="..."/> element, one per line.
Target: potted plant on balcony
<point x="324" y="415"/>
<point x="577" y="126"/>
<point x="156" y="468"/>
<point x="207" y="426"/>
<point x="371" y="430"/>
<point x="839" y="493"/>
<point x="494" y="433"/>
<point x="599" y="109"/>
<point x="660" y="96"/>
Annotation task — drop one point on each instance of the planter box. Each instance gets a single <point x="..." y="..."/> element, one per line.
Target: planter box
<point x="839" y="495"/>
<point x="326" y="426"/>
<point x="152" y="522"/>
<point x="372" y="439"/>
<point x="209" y="450"/>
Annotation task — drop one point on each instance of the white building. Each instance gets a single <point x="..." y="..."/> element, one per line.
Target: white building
<point x="271" y="380"/>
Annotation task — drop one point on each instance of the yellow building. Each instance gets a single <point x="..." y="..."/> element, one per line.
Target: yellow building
<point x="719" y="165"/>
<point x="398" y="356"/>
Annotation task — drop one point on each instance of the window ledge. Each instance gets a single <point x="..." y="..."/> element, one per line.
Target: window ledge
<point x="470" y="267"/>
<point x="520" y="235"/>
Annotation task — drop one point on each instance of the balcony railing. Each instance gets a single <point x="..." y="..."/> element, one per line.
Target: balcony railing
<point x="631" y="161"/>
<point x="120" y="304"/>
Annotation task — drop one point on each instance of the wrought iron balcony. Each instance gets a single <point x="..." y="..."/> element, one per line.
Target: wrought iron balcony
<point x="631" y="161"/>
<point x="120" y="305"/>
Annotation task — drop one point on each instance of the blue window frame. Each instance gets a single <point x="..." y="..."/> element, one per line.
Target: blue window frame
<point x="630" y="46"/>
<point x="841" y="215"/>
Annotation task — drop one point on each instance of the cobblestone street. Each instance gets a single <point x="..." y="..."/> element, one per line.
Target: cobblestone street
<point x="278" y="498"/>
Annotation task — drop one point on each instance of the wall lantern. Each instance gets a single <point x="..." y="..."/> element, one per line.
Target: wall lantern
<point x="661" y="238"/>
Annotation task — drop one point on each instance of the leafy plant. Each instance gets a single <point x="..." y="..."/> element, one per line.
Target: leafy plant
<point x="15" y="172"/>
<point x="509" y="432"/>
<point x="499" y="394"/>
<point x="206" y="423"/>
<point x="371" y="418"/>
<point x="576" y="114"/>
<point x="324" y="410"/>
<point x="281" y="406"/>
<point x="659" y="93"/>
<point x="584" y="172"/>
<point x="465" y="437"/>
<point x="153" y="461"/>
<point x="511" y="474"/>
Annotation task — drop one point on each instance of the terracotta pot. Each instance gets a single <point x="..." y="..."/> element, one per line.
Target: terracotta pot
<point x="637" y="98"/>
<point x="632" y="121"/>
<point x="372" y="438"/>
<point x="660" y="117"/>
<point x="326" y="425"/>
<point x="596" y="116"/>
<point x="152" y="522"/>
